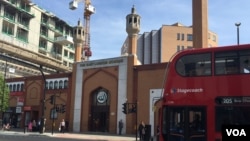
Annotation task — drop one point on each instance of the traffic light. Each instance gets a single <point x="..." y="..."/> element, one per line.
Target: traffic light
<point x="125" y="108"/>
<point x="57" y="108"/>
<point x="134" y="108"/>
<point x="52" y="99"/>
<point x="63" y="109"/>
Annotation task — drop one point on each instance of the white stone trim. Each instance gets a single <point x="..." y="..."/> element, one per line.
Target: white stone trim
<point x="121" y="62"/>
<point x="153" y="93"/>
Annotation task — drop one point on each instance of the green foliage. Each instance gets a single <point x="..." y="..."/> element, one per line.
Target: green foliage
<point x="4" y="95"/>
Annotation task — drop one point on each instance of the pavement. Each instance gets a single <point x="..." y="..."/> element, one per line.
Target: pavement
<point x="92" y="136"/>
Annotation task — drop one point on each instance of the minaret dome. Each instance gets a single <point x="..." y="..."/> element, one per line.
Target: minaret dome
<point x="133" y="22"/>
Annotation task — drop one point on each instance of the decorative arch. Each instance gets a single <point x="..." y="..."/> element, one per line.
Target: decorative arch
<point x="99" y="110"/>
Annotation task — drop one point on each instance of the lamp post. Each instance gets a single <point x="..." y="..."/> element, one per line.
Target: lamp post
<point x="238" y="34"/>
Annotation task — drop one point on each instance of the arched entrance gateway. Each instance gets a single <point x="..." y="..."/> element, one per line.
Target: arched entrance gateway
<point x="99" y="111"/>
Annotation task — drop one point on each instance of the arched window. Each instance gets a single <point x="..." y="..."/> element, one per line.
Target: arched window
<point x="47" y="85"/>
<point x="56" y="85"/>
<point x="65" y="84"/>
<point x="18" y="87"/>
<point x="51" y="85"/>
<point x="60" y="84"/>
<point x="14" y="87"/>
<point x="22" y="85"/>
<point x="10" y="87"/>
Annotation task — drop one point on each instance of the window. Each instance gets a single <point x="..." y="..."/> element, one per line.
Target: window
<point x="226" y="63"/>
<point x="43" y="44"/>
<point x="71" y="55"/>
<point x="189" y="37"/>
<point x="135" y="20"/>
<point x="194" y="65"/>
<point x="244" y="61"/>
<point x="51" y="85"/>
<point x="56" y="85"/>
<point x="60" y="84"/>
<point x="178" y="48"/>
<point x="47" y="85"/>
<point x="232" y="62"/>
<point x="14" y="88"/>
<point x="65" y="84"/>
<point x="22" y="34"/>
<point x="185" y="122"/>
<point x="8" y="28"/>
<point x="22" y="85"/>
<point x="44" y="31"/>
<point x="178" y="36"/>
<point x="65" y="63"/>
<point x="65" y="53"/>
<point x="11" y="88"/>
<point x="214" y="38"/>
<point x="18" y="87"/>
<point x="231" y="115"/>
<point x="79" y="32"/>
<point x="182" y="36"/>
<point x="130" y="20"/>
<point x="70" y="65"/>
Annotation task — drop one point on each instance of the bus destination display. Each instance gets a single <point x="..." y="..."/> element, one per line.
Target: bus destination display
<point x="232" y="100"/>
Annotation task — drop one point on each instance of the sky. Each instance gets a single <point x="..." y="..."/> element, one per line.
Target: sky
<point x="108" y="24"/>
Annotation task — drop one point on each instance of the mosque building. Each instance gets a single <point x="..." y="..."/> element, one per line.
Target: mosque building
<point x="91" y="97"/>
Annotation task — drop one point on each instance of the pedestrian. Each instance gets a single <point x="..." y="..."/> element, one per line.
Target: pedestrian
<point x="120" y="126"/>
<point x="38" y="125"/>
<point x="142" y="131"/>
<point x="6" y="127"/>
<point x="34" y="125"/>
<point x="62" y="126"/>
<point x="30" y="126"/>
<point x="44" y="123"/>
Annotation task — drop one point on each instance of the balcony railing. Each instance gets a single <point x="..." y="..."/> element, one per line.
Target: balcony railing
<point x="64" y="40"/>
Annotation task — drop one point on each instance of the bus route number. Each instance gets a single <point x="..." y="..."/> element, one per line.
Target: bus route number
<point x="227" y="101"/>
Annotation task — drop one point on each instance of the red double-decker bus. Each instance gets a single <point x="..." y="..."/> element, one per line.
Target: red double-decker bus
<point x="204" y="89"/>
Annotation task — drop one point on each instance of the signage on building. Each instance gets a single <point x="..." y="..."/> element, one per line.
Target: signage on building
<point x="102" y="96"/>
<point x="101" y="63"/>
<point x="27" y="108"/>
<point x="18" y="109"/>
<point x="20" y="101"/>
<point x="19" y="93"/>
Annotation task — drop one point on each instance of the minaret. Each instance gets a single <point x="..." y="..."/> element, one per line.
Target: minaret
<point x="200" y="23"/>
<point x="78" y="37"/>
<point x="133" y="28"/>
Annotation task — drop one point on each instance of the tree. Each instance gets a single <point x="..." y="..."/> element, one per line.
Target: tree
<point x="4" y="95"/>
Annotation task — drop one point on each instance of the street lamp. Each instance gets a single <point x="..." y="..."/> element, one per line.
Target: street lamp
<point x="238" y="34"/>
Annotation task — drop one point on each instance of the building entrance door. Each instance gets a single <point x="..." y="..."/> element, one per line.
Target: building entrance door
<point x="100" y="119"/>
<point x="99" y="111"/>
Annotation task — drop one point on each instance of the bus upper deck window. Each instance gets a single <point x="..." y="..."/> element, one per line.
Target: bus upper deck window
<point x="245" y="65"/>
<point x="227" y="63"/>
<point x="244" y="61"/>
<point x="194" y="65"/>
